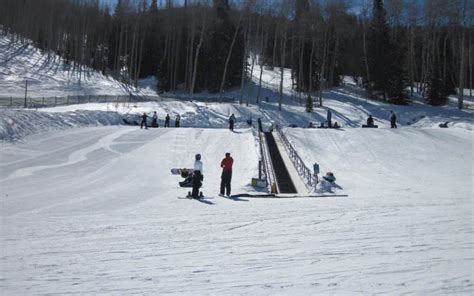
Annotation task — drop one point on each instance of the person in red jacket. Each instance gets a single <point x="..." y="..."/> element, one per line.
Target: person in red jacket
<point x="226" y="165"/>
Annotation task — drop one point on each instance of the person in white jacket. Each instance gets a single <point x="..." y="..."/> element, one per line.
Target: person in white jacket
<point x="197" y="176"/>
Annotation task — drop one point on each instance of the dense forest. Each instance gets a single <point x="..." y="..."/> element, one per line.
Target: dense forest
<point x="394" y="48"/>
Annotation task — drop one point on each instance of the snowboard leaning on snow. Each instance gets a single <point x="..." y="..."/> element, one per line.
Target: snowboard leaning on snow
<point x="178" y="171"/>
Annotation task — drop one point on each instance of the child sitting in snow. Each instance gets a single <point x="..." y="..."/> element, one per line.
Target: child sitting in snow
<point x="327" y="183"/>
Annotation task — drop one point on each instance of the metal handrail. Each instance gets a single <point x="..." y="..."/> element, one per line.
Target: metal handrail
<point x="299" y="164"/>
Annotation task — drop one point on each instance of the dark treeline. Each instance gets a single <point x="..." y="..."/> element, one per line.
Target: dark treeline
<point x="394" y="48"/>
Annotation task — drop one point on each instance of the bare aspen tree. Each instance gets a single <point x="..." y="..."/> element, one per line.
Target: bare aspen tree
<point x="198" y="49"/>
<point x="263" y="44"/>
<point x="247" y="32"/>
<point x="470" y="63"/>
<point x="412" y="19"/>
<point x="254" y="55"/>
<point x="221" y="90"/>
<point x="462" y="62"/>
<point x="283" y="42"/>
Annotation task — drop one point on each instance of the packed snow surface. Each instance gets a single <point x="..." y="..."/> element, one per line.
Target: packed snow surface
<point x="96" y="210"/>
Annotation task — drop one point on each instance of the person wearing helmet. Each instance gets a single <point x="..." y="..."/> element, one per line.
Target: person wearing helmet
<point x="197" y="176"/>
<point x="226" y="177"/>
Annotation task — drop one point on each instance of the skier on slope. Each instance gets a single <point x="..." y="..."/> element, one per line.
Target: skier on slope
<point x="144" y="117"/>
<point x="231" y="122"/>
<point x="328" y="117"/>
<point x="393" y="120"/>
<point x="226" y="177"/>
<point x="167" y="120"/>
<point x="197" y="176"/>
<point x="177" y="122"/>
<point x="154" y="120"/>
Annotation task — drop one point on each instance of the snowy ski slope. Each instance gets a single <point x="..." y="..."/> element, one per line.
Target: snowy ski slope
<point x="95" y="211"/>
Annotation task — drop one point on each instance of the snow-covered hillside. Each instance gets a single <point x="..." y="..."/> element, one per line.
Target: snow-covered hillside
<point x="49" y="76"/>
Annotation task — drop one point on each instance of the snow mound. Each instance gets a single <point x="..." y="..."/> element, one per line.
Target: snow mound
<point x="18" y="124"/>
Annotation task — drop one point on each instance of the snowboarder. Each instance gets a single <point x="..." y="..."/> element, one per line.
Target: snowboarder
<point x="143" y="123"/>
<point x="226" y="177"/>
<point x="393" y="120"/>
<point x="177" y="122"/>
<point x="231" y="122"/>
<point x="249" y="121"/>
<point x="154" y="120"/>
<point x="370" y="121"/>
<point x="167" y="120"/>
<point x="328" y="118"/>
<point x="197" y="176"/>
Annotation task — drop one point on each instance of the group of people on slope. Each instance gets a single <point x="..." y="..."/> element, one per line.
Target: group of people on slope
<point x="392" y="118"/>
<point x="154" y="120"/>
<point x="226" y="177"/>
<point x="370" y="121"/>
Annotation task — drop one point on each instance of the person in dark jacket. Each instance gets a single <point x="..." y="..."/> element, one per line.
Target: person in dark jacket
<point x="393" y="120"/>
<point x="231" y="122"/>
<point x="167" y="120"/>
<point x="329" y="116"/>
<point x="370" y="121"/>
<point x="226" y="177"/>
<point x="177" y="122"/>
<point x="143" y="123"/>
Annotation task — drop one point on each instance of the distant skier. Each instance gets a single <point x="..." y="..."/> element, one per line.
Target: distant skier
<point x="177" y="122"/>
<point x="249" y="121"/>
<point x="167" y="120"/>
<point x="370" y="121"/>
<point x="231" y="122"/>
<point x="393" y="120"/>
<point x="143" y="123"/>
<point x="226" y="177"/>
<point x="328" y="118"/>
<point x="154" y="120"/>
<point x="197" y="176"/>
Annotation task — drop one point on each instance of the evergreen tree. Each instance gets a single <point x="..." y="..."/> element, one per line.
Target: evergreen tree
<point x="151" y="50"/>
<point x="397" y="83"/>
<point x="215" y="54"/>
<point x="436" y="94"/>
<point x="379" y="49"/>
<point x="385" y="59"/>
